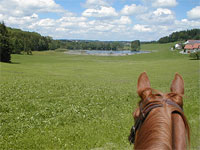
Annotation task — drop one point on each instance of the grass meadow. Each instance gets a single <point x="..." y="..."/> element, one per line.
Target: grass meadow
<point x="52" y="100"/>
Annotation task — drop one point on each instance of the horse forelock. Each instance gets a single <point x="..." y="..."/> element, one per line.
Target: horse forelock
<point x="155" y="132"/>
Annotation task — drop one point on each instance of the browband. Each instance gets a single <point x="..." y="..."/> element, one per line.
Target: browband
<point x="144" y="113"/>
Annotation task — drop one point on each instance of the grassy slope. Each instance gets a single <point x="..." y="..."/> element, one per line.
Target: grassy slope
<point x="56" y="101"/>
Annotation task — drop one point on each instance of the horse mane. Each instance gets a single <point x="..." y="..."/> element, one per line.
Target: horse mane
<point x="156" y="130"/>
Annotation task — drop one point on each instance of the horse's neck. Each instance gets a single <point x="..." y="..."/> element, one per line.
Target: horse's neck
<point x="179" y="132"/>
<point x="156" y="131"/>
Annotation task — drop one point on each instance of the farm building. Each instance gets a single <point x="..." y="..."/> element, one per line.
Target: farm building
<point x="191" y="46"/>
<point x="178" y="46"/>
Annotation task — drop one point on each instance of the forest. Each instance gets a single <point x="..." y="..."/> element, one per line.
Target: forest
<point x="193" y="34"/>
<point x="29" y="41"/>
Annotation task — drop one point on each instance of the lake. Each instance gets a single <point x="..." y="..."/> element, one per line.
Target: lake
<point x="106" y="52"/>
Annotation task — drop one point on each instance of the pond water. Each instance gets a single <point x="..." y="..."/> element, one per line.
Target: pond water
<point x="126" y="52"/>
<point x="105" y="52"/>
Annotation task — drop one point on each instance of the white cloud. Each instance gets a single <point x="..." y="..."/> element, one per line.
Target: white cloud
<point x="60" y="29"/>
<point x="34" y="16"/>
<point x="141" y="28"/>
<point x="1" y="17"/>
<point x="72" y="22"/>
<point x="164" y="3"/>
<point x="133" y="9"/>
<point x="20" y="8"/>
<point x="72" y="19"/>
<point x="23" y="14"/>
<point x="124" y="20"/>
<point x="76" y="27"/>
<point x="21" y="22"/>
<point x="194" y="13"/>
<point x="185" y="24"/>
<point x="159" y="16"/>
<point x="161" y="11"/>
<point x="99" y="20"/>
<point x="60" y="24"/>
<point x="96" y="3"/>
<point x="102" y="12"/>
<point x="44" y="23"/>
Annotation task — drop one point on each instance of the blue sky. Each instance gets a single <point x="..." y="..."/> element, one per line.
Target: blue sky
<point x="145" y="20"/>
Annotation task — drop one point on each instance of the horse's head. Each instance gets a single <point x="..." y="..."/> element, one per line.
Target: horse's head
<point x="146" y="93"/>
<point x="151" y="99"/>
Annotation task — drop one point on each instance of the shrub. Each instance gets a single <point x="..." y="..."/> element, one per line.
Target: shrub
<point x="195" y="55"/>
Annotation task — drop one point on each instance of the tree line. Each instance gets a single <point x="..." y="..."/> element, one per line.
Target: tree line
<point x="92" y="45"/>
<point x="193" y="34"/>
<point x="23" y="41"/>
<point x="16" y="41"/>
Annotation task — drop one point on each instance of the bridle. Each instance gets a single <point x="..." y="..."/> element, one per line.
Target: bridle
<point x="145" y="109"/>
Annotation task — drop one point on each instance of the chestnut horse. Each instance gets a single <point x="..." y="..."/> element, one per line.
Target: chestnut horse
<point x="160" y="123"/>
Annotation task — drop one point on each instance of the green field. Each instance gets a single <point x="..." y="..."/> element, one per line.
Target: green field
<point x="52" y="100"/>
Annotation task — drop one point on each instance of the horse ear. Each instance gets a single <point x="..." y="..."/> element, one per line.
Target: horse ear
<point x="143" y="83"/>
<point x="177" y="85"/>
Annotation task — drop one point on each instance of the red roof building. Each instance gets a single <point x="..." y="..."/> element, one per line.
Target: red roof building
<point x="196" y="46"/>
<point x="188" y="46"/>
<point x="192" y="45"/>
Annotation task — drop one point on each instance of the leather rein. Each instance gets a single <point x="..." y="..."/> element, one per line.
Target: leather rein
<point x="144" y="111"/>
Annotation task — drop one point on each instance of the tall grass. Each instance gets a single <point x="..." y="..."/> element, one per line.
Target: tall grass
<point x="52" y="100"/>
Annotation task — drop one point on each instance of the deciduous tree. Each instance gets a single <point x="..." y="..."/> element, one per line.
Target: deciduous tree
<point x="135" y="45"/>
<point x="5" y="47"/>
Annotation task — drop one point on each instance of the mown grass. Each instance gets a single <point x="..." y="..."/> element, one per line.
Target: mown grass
<point x="52" y="100"/>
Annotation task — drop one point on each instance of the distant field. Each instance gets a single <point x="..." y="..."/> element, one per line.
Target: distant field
<point x="52" y="100"/>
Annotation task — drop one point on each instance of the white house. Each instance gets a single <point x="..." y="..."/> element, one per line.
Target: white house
<point x="178" y="46"/>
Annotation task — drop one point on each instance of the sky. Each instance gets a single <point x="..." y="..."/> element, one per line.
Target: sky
<point x="105" y="20"/>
